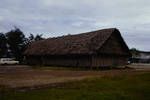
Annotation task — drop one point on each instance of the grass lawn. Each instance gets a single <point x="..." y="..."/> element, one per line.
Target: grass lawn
<point x="123" y="87"/>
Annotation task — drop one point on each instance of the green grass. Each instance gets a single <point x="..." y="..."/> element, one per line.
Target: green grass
<point x="124" y="87"/>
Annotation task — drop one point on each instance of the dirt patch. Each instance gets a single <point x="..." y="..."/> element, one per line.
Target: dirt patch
<point x="140" y="66"/>
<point x="25" y="76"/>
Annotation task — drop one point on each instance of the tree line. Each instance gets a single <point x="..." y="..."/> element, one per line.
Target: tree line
<point x="14" y="43"/>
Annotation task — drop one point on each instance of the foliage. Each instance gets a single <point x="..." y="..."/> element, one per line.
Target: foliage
<point x="33" y="38"/>
<point x="134" y="52"/>
<point x="3" y="45"/>
<point x="14" y="43"/>
<point x="16" y="40"/>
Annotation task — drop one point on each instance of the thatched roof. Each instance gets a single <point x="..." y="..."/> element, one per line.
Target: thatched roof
<point x="85" y="43"/>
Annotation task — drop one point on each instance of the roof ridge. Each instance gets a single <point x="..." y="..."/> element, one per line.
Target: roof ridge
<point x="81" y="33"/>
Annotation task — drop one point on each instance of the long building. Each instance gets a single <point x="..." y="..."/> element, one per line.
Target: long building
<point x="100" y="48"/>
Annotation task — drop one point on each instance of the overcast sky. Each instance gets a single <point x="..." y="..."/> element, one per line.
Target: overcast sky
<point x="60" y="17"/>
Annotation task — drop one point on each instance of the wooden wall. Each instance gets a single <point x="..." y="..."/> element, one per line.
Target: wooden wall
<point x="105" y="61"/>
<point x="113" y="46"/>
<point x="82" y="61"/>
<point x="74" y="61"/>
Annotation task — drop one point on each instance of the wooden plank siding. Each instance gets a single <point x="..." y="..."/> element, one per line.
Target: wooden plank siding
<point x="112" y="53"/>
<point x="81" y="61"/>
<point x="105" y="61"/>
<point x="84" y="61"/>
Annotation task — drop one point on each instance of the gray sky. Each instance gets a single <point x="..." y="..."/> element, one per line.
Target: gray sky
<point x="60" y="17"/>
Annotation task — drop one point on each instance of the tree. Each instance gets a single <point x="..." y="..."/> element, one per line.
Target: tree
<point x="33" y="38"/>
<point x="3" y="45"/>
<point x="17" y="42"/>
<point x="134" y="52"/>
<point x="38" y="37"/>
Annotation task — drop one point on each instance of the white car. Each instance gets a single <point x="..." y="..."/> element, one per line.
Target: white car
<point x="9" y="61"/>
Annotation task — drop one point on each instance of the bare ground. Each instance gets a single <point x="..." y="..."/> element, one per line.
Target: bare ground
<point x="21" y="76"/>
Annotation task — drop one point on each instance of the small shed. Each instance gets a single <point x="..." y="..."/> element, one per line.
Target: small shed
<point x="99" y="48"/>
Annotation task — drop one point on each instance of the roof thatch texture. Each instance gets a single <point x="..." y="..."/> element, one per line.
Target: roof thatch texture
<point x="85" y="43"/>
